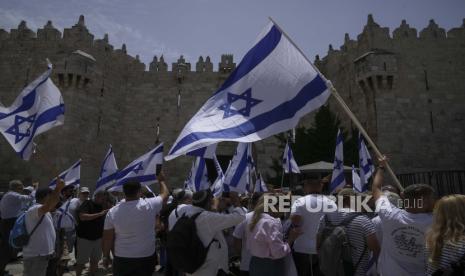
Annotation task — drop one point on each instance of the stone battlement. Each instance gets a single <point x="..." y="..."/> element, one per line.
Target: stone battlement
<point x="79" y="37"/>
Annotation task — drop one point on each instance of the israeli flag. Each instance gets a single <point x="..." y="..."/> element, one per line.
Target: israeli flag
<point x="357" y="184"/>
<point x="38" y="108"/>
<point x="217" y="187"/>
<point x="197" y="180"/>
<point x="365" y="162"/>
<point x="143" y="169"/>
<point x="71" y="176"/>
<point x="289" y="163"/>
<point x="269" y="91"/>
<point x="206" y="152"/>
<point x="260" y="185"/>
<point x="237" y="176"/>
<point x="108" y="171"/>
<point x="337" y="179"/>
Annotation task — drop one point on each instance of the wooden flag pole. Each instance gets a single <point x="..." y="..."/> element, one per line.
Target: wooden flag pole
<point x="345" y="108"/>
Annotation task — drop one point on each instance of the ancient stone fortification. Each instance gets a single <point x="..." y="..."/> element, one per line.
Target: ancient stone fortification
<point x="409" y="91"/>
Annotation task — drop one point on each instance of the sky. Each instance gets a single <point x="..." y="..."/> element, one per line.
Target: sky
<point x="215" y="27"/>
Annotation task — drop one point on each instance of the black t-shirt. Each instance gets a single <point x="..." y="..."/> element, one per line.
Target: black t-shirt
<point x="90" y="229"/>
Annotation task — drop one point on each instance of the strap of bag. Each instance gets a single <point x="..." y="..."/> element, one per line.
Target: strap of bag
<point x="37" y="225"/>
<point x="176" y="212"/>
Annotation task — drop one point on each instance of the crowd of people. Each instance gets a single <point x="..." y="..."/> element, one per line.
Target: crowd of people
<point x="181" y="232"/>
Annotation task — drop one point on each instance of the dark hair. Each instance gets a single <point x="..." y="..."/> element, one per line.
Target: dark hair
<point x="417" y="191"/>
<point x="131" y="188"/>
<point x="202" y="198"/>
<point x="42" y="193"/>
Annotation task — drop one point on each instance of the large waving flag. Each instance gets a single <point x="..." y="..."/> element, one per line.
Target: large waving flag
<point x="365" y="162"/>
<point x="289" y="163"/>
<point x="143" y="169"/>
<point x="197" y="179"/>
<point x="337" y="179"/>
<point x="71" y="176"/>
<point x="237" y="176"/>
<point x="108" y="172"/>
<point x="206" y="152"/>
<point x="269" y="91"/>
<point x="38" y="108"/>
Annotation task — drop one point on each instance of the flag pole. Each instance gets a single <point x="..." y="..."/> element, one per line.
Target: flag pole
<point x="344" y="107"/>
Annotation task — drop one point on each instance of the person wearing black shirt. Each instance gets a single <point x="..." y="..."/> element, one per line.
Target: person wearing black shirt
<point x="91" y="218"/>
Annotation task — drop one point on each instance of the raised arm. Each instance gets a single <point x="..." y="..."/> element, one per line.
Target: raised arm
<point x="379" y="179"/>
<point x="52" y="200"/>
<point x="164" y="192"/>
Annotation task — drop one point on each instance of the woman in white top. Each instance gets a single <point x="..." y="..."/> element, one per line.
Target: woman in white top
<point x="445" y="241"/>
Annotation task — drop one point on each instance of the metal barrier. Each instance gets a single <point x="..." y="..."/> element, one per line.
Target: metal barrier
<point x="444" y="182"/>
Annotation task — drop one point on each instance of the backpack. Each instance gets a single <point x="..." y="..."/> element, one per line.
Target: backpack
<point x="185" y="250"/>
<point x="455" y="269"/>
<point x="334" y="254"/>
<point x="64" y="219"/>
<point x="18" y="234"/>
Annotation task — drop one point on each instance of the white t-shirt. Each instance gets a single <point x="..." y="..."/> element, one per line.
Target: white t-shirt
<point x="402" y="247"/>
<point x="310" y="209"/>
<point x="134" y="224"/>
<point x="42" y="241"/>
<point x="239" y="233"/>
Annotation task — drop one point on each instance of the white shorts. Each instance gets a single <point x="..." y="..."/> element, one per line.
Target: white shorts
<point x="88" y="250"/>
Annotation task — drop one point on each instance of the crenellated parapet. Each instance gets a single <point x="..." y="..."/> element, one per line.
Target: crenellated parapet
<point x="404" y="31"/>
<point x="433" y="31"/>
<point x="48" y="33"/>
<point x="78" y="35"/>
<point x="373" y="35"/>
<point x="204" y="66"/>
<point x="226" y="64"/>
<point x="22" y="32"/>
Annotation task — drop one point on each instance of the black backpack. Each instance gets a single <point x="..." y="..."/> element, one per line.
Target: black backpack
<point x="185" y="250"/>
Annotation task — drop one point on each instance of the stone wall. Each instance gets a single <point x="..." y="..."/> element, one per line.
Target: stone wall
<point x="408" y="90"/>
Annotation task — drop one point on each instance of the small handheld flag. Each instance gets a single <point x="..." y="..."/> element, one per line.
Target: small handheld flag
<point x="197" y="179"/>
<point x="108" y="171"/>
<point x="357" y="184"/>
<point x="71" y="176"/>
<point x="143" y="169"/>
<point x="289" y="163"/>
<point x="237" y="176"/>
<point x="37" y="109"/>
<point x="260" y="185"/>
<point x="365" y="162"/>
<point x="337" y="178"/>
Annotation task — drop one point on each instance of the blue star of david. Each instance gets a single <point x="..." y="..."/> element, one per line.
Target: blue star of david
<point x="245" y="111"/>
<point x="138" y="168"/>
<point x="16" y="130"/>
<point x="338" y="164"/>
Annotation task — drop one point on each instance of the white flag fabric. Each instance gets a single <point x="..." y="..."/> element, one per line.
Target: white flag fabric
<point x="71" y="176"/>
<point x="197" y="180"/>
<point x="206" y="152"/>
<point x="108" y="171"/>
<point x="357" y="184"/>
<point x="269" y="91"/>
<point x="38" y="108"/>
<point x="236" y="178"/>
<point x="217" y="187"/>
<point x="365" y="163"/>
<point x="289" y="163"/>
<point x="260" y="185"/>
<point x="338" y="179"/>
<point x="143" y="169"/>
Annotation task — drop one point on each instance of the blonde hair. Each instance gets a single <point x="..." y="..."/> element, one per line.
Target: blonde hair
<point x="448" y="225"/>
<point x="259" y="210"/>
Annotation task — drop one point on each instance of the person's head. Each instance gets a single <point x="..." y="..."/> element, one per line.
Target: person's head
<point x="84" y="193"/>
<point x="448" y="225"/>
<point x="347" y="195"/>
<point x="254" y="199"/>
<point x="313" y="186"/>
<point x="132" y="190"/>
<point x="28" y="190"/>
<point x="260" y="209"/>
<point x="16" y="186"/>
<point x="67" y="191"/>
<point x="418" y="198"/>
<point x="203" y="199"/>
<point x="390" y="188"/>
<point x="298" y="191"/>
<point x="182" y="196"/>
<point x="100" y="197"/>
<point x="42" y="194"/>
<point x="393" y="198"/>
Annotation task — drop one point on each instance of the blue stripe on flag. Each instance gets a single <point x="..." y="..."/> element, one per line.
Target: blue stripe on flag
<point x="107" y="179"/>
<point x="239" y="170"/>
<point x="142" y="178"/>
<point x="199" y="174"/>
<point x="45" y="117"/>
<point x="337" y="182"/>
<point x="283" y="111"/>
<point x="254" y="57"/>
